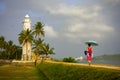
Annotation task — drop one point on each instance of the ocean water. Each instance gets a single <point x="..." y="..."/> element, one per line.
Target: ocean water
<point x="113" y="59"/>
<point x="101" y="61"/>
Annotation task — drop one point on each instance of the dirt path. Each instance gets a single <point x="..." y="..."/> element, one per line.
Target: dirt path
<point x="92" y="65"/>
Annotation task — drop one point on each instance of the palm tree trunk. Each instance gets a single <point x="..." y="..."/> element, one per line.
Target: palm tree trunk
<point x="26" y="51"/>
<point x="46" y="55"/>
<point x="16" y="56"/>
<point x="8" y="57"/>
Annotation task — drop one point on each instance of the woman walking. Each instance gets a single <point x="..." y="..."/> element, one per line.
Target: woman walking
<point x="89" y="51"/>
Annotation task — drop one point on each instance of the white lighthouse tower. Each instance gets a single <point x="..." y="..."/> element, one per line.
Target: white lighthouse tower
<point x="26" y="48"/>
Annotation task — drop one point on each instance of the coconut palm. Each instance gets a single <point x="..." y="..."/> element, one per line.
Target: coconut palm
<point x="38" y="30"/>
<point x="25" y="37"/>
<point x="9" y="47"/>
<point x="2" y="47"/>
<point x="47" y="49"/>
<point x="2" y="43"/>
<point x="17" y="50"/>
<point x="37" y="46"/>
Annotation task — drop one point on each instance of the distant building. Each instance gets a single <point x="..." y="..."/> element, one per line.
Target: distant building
<point x="79" y="58"/>
<point x="26" y="48"/>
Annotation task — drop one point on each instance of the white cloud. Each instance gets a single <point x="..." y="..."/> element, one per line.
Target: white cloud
<point x="76" y="28"/>
<point x="75" y="11"/>
<point x="82" y="22"/>
<point x="78" y="32"/>
<point x="50" y="32"/>
<point x="87" y="31"/>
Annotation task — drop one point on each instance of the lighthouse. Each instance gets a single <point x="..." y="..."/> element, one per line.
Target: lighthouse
<point x="26" y="47"/>
<point x="26" y="23"/>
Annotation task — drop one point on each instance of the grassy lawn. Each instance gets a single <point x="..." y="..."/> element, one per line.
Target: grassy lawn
<point x="55" y="71"/>
<point x="12" y="72"/>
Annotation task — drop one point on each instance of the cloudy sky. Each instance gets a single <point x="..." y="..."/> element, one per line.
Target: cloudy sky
<point x="68" y="23"/>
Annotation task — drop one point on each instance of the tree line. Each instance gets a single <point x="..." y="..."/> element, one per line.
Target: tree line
<point x="8" y="50"/>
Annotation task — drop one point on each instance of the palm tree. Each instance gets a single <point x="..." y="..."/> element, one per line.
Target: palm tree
<point x="9" y="47"/>
<point x="2" y="43"/>
<point x="47" y="49"/>
<point x="37" y="46"/>
<point x="17" y="50"/>
<point x="2" y="47"/>
<point x="38" y="30"/>
<point x="25" y="37"/>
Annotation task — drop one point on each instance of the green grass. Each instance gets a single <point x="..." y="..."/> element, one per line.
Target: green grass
<point x="73" y="72"/>
<point x="53" y="71"/>
<point x="11" y="72"/>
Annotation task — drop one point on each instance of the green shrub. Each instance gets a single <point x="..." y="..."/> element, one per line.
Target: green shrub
<point x="69" y="59"/>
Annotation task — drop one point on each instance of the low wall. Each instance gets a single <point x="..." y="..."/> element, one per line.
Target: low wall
<point x="24" y="63"/>
<point x="2" y="61"/>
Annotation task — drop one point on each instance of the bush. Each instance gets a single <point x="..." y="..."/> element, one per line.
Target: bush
<point x="69" y="59"/>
